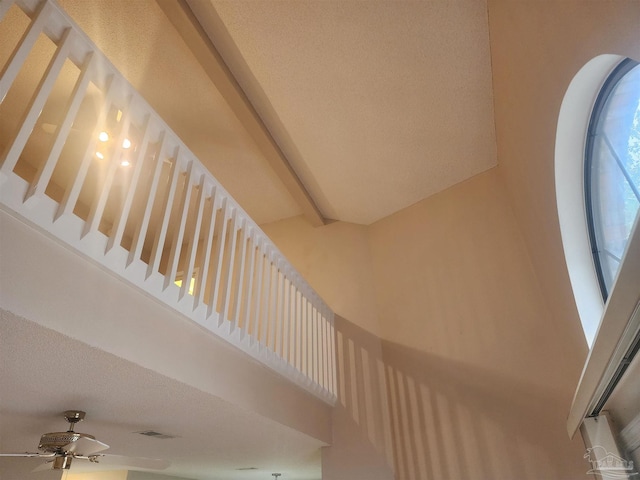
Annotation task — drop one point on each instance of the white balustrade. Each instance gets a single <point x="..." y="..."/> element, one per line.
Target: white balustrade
<point x="138" y="203"/>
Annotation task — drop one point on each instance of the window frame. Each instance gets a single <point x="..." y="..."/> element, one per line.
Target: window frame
<point x="592" y="218"/>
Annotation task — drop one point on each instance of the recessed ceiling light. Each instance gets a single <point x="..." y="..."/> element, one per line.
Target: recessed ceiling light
<point x="126" y="143"/>
<point x="100" y="155"/>
<point x="103" y="136"/>
<point x="125" y="163"/>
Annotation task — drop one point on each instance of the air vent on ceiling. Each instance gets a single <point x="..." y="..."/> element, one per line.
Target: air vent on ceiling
<point x="151" y="433"/>
<point x="247" y="468"/>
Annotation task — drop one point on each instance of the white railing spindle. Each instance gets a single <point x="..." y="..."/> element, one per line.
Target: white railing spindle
<point x="10" y="158"/>
<point x="43" y="175"/>
<point x="71" y="195"/>
<point x="167" y="204"/>
<point x="19" y="55"/>
<point x="229" y="266"/>
<point x="100" y="202"/>
<point x="178" y="233"/>
<point x="217" y="258"/>
<point x="121" y="221"/>
<point x="201" y="285"/>
<point x="240" y="276"/>
<point x="192" y="244"/>
<point x="142" y="228"/>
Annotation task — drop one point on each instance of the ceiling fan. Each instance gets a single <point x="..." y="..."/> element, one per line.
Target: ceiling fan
<point x="63" y="447"/>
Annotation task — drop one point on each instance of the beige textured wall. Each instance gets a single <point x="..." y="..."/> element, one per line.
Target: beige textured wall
<point x="536" y="50"/>
<point x="336" y="261"/>
<point x="480" y="377"/>
<point x="476" y="375"/>
<point x="362" y="445"/>
<point x="454" y="280"/>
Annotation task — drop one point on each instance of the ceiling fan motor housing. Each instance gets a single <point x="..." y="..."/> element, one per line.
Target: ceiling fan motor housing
<point x="54" y="442"/>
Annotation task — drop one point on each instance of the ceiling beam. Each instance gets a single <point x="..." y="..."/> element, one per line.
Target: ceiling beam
<point x="188" y="26"/>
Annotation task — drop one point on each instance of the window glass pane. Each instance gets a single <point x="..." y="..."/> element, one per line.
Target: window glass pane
<point x="613" y="170"/>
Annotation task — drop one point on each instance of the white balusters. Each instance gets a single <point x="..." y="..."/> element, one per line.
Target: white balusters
<point x="121" y="221"/>
<point x="71" y="195"/>
<point x="218" y="258"/>
<point x="100" y="201"/>
<point x="228" y="268"/>
<point x="28" y="121"/>
<point x="178" y="233"/>
<point x="141" y="231"/>
<point x="43" y="174"/>
<point x="167" y="203"/>
<point x="161" y="216"/>
<point x="192" y="243"/>
<point x="240" y="275"/>
<point x="19" y="55"/>
<point x="248" y="297"/>
<point x="208" y="245"/>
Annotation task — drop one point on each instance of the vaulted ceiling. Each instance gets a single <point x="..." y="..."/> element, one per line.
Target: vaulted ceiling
<point x="375" y="105"/>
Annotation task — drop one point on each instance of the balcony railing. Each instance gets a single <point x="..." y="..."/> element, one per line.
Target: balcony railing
<point x="85" y="159"/>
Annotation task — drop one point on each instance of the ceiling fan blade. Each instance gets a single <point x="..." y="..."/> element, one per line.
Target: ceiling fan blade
<point x="28" y="454"/>
<point x="137" y="462"/>
<point x="85" y="446"/>
<point x="45" y="466"/>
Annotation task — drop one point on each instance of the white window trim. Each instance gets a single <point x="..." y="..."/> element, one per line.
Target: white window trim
<point x="573" y="124"/>
<point x="610" y="330"/>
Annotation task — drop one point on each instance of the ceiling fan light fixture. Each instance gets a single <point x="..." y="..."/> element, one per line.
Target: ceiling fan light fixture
<point x="63" y="447"/>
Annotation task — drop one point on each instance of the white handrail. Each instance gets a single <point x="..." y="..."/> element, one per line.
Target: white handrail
<point x="164" y="219"/>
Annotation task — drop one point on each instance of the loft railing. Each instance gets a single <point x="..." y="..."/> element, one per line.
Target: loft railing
<point x="84" y="158"/>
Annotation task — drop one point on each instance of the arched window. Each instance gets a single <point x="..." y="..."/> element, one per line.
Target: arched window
<point x="597" y="170"/>
<point x="612" y="170"/>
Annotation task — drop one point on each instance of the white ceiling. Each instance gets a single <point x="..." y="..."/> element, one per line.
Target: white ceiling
<point x="376" y="104"/>
<point x="43" y="373"/>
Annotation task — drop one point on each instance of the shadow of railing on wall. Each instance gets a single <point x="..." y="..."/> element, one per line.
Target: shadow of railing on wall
<point x="427" y="417"/>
